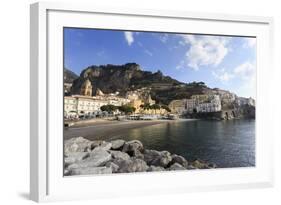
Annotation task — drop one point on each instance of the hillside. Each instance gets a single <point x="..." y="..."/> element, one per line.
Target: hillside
<point x="69" y="76"/>
<point x="122" y="78"/>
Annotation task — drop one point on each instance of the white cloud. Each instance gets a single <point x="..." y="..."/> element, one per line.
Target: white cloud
<point x="223" y="75"/>
<point x="129" y="37"/>
<point x="181" y="65"/>
<point x="245" y="70"/>
<point x="249" y="42"/>
<point x="205" y="50"/>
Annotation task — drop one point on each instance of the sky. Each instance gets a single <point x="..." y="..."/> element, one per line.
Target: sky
<point x="226" y="62"/>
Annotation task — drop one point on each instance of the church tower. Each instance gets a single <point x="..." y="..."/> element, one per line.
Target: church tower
<point x="86" y="88"/>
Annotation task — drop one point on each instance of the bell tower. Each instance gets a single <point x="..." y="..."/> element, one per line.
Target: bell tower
<point x="86" y="88"/>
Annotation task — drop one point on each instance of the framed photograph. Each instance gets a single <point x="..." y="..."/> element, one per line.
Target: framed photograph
<point x="127" y="102"/>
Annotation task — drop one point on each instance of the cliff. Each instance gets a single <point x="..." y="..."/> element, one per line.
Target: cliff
<point x="130" y="76"/>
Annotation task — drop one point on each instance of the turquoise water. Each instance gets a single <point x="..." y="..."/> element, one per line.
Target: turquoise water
<point x="225" y="143"/>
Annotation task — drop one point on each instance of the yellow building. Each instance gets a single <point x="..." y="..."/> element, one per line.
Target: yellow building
<point x="136" y="104"/>
<point x="86" y="88"/>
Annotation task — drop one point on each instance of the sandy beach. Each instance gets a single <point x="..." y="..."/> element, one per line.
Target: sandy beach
<point x="104" y="129"/>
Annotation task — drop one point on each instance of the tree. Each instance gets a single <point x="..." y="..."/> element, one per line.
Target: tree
<point x="127" y="109"/>
<point x="155" y="107"/>
<point x="166" y="108"/>
<point x="109" y="108"/>
<point x="146" y="106"/>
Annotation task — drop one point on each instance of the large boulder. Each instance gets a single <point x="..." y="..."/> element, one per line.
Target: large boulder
<point x="114" y="167"/>
<point x="119" y="155"/>
<point x="138" y="154"/>
<point x="164" y="160"/>
<point x="77" y="144"/>
<point x="176" y="166"/>
<point x="96" y="143"/>
<point x="180" y="160"/>
<point x="150" y="155"/>
<point x="198" y="164"/>
<point x="98" y="157"/>
<point x="101" y="144"/>
<point x="74" y="157"/>
<point x="117" y="144"/>
<point x="131" y="165"/>
<point x="90" y="170"/>
<point x="133" y="148"/>
<point x="105" y="146"/>
<point x="156" y="158"/>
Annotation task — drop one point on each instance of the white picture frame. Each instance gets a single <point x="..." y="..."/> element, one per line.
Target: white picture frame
<point x="46" y="143"/>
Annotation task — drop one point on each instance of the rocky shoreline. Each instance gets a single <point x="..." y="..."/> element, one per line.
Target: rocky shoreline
<point x="85" y="157"/>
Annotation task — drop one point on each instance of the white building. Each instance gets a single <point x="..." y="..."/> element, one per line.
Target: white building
<point x="212" y="105"/>
<point x="70" y="106"/>
<point x="80" y="104"/>
<point x="89" y="105"/>
<point x="190" y="105"/>
<point x="197" y="103"/>
<point x="245" y="101"/>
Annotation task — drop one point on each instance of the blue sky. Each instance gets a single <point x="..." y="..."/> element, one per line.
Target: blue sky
<point x="219" y="61"/>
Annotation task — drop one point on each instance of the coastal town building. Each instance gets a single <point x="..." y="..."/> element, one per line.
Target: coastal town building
<point x="200" y="98"/>
<point x="196" y="104"/>
<point x="116" y="100"/>
<point x="70" y="106"/>
<point x="213" y="104"/>
<point x="87" y="104"/>
<point x="132" y="95"/>
<point x="142" y="94"/>
<point x="227" y="98"/>
<point x="148" y="100"/>
<point x="160" y="111"/>
<point x="190" y="105"/>
<point x="245" y="101"/>
<point x="80" y="105"/>
<point x="136" y="104"/>
<point x="138" y="98"/>
<point x="206" y="103"/>
<point x="177" y="106"/>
